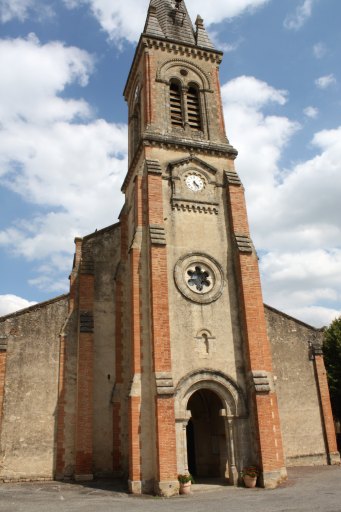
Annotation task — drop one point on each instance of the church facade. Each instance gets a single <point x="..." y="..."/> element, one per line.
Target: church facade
<point x="163" y="359"/>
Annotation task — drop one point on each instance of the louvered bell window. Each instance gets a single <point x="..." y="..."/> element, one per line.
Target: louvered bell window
<point x="176" y="105"/>
<point x="193" y="108"/>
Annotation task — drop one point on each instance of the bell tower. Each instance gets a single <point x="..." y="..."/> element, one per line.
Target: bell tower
<point x="194" y="333"/>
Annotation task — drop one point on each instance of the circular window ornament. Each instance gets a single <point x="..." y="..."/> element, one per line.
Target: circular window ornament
<point x="199" y="277"/>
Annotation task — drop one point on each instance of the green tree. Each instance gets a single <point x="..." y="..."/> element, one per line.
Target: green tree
<point x="332" y="359"/>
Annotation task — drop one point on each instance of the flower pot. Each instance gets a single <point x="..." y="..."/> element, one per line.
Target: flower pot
<point x="185" y="488"/>
<point x="250" y="481"/>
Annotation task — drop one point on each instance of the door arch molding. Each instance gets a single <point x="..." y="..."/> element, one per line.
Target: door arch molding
<point x="230" y="393"/>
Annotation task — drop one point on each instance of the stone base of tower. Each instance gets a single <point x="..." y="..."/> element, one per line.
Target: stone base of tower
<point x="334" y="458"/>
<point x="167" y="488"/>
<point x="271" y="479"/>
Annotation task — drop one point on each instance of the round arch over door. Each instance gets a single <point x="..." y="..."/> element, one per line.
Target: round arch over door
<point x="210" y="411"/>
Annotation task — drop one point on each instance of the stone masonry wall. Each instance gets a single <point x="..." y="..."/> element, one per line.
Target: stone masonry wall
<point x="296" y="386"/>
<point x="28" y="429"/>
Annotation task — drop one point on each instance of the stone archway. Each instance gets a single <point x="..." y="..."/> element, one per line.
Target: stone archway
<point x="208" y="406"/>
<point x="206" y="437"/>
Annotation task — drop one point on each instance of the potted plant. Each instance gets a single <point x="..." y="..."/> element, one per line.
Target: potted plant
<point x="250" y="474"/>
<point x="186" y="481"/>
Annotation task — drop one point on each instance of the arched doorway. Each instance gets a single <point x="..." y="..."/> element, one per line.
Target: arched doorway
<point x="206" y="439"/>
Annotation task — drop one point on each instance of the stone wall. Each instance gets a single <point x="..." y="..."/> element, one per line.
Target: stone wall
<point x="297" y="391"/>
<point x="28" y="427"/>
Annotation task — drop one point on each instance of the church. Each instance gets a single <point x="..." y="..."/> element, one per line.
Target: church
<point x="163" y="359"/>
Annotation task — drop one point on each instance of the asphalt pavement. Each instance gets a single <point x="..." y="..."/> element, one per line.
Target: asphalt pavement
<point x="308" y="489"/>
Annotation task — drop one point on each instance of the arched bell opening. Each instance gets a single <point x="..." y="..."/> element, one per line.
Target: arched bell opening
<point x="206" y="436"/>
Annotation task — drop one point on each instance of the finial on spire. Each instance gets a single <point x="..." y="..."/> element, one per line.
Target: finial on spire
<point x="178" y="3"/>
<point x="201" y="36"/>
<point x="199" y="22"/>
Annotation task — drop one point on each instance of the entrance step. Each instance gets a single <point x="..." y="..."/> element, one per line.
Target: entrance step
<point x="209" y="484"/>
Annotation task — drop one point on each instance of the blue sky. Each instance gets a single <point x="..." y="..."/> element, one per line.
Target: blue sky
<point x="63" y="137"/>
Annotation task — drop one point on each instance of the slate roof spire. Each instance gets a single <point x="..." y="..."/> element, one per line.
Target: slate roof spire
<point x="169" y="19"/>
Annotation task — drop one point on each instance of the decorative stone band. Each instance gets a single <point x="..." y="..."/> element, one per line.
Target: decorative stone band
<point x="244" y="243"/>
<point x="157" y="234"/>
<point x="164" y="383"/>
<point x="232" y="178"/>
<point x="86" y="322"/>
<point x="3" y="343"/>
<point x="261" y="381"/>
<point x="198" y="206"/>
<point x="153" y="167"/>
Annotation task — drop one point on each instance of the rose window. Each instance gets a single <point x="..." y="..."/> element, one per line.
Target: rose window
<point x="199" y="278"/>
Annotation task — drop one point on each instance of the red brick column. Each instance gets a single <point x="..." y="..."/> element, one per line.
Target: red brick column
<point x="60" y="438"/>
<point x="84" y="419"/>
<point x="135" y="475"/>
<point x="118" y="409"/>
<point x="258" y="350"/>
<point x="164" y="401"/>
<point x="333" y="455"/>
<point x="60" y="449"/>
<point x="3" y="356"/>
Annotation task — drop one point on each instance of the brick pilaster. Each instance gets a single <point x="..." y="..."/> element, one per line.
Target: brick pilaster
<point x="119" y="312"/>
<point x="3" y="357"/>
<point x="73" y="297"/>
<point x="333" y="455"/>
<point x="258" y="350"/>
<point x="135" y="474"/>
<point x="164" y="401"/>
<point x="84" y="418"/>
<point x="60" y="448"/>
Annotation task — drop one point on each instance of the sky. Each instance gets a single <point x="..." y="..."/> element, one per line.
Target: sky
<point x="63" y="137"/>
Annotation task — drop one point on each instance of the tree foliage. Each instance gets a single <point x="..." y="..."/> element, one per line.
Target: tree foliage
<point x="332" y="359"/>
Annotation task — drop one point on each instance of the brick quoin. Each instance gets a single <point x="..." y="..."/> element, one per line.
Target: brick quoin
<point x="134" y="437"/>
<point x="116" y="454"/>
<point x="164" y="406"/>
<point x="326" y="410"/>
<point x="136" y="370"/>
<point x="117" y="410"/>
<point x="3" y="356"/>
<point x="257" y="343"/>
<point x="165" y="440"/>
<point x="84" y="421"/>
<point x="60" y="455"/>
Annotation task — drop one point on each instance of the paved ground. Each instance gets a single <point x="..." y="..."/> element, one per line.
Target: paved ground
<point x="307" y="490"/>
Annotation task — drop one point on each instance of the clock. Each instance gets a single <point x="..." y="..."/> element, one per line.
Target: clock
<point x="194" y="183"/>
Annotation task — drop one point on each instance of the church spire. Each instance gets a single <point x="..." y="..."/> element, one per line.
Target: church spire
<point x="169" y="19"/>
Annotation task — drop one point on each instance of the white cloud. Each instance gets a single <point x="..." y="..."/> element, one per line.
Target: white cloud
<point x="303" y="12"/>
<point x="311" y="112"/>
<point x="325" y="81"/>
<point x="117" y="20"/>
<point x="55" y="155"/>
<point x="319" y="50"/>
<point x="21" y="9"/>
<point x="10" y="303"/>
<point x="294" y="215"/>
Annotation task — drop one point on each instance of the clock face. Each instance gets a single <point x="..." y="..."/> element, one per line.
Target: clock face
<point x="194" y="183"/>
